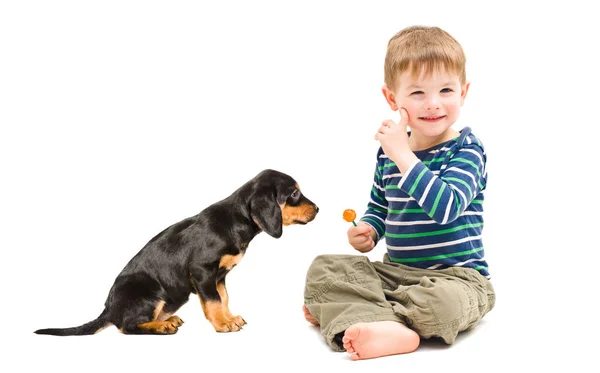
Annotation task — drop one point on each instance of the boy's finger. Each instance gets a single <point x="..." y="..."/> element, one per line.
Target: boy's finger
<point x="403" y="117"/>
<point x="356" y="231"/>
<point x="360" y="239"/>
<point x="363" y="228"/>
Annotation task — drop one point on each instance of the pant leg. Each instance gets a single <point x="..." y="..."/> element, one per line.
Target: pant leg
<point x="436" y="303"/>
<point x="342" y="290"/>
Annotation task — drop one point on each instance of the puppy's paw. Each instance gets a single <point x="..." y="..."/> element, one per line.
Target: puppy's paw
<point x="233" y="325"/>
<point x="239" y="321"/>
<point x="166" y="327"/>
<point x="169" y="326"/>
<point x="175" y="321"/>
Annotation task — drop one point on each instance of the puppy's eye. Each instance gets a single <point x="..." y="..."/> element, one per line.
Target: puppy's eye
<point x="295" y="194"/>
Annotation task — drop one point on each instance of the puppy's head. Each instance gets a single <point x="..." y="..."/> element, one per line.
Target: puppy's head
<point x="277" y="201"/>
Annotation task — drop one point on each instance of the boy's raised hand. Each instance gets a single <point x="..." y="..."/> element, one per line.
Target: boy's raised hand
<point x="361" y="237"/>
<point x="393" y="137"/>
<point x="394" y="141"/>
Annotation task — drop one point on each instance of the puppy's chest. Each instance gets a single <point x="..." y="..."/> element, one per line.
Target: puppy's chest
<point x="228" y="261"/>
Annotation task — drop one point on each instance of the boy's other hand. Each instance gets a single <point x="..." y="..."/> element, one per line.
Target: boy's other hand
<point x="361" y="237"/>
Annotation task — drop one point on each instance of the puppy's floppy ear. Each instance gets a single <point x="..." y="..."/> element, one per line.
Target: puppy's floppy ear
<point x="266" y="213"/>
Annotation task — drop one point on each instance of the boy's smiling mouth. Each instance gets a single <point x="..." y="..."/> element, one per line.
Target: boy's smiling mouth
<point x="432" y="118"/>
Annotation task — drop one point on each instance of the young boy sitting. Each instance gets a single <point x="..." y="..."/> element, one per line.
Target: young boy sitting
<point x="427" y="201"/>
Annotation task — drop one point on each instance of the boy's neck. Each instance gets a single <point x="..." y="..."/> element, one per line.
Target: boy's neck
<point x="417" y="141"/>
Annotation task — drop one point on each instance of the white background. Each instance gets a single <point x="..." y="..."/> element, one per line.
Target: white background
<point x="119" y="118"/>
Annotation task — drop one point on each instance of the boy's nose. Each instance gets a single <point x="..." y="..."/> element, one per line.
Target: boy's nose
<point x="432" y="103"/>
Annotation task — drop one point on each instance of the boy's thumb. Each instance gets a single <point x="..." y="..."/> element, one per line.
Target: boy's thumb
<point x="403" y="117"/>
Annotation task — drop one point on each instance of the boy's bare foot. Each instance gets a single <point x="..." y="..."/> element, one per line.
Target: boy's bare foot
<point x="376" y="339"/>
<point x="309" y="317"/>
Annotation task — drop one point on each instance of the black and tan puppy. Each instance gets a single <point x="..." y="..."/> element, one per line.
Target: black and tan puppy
<point x="194" y="256"/>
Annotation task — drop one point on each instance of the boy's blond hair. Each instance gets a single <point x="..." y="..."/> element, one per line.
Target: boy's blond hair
<point x="420" y="47"/>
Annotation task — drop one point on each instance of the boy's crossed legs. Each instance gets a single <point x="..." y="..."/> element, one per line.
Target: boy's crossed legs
<point x="364" y="307"/>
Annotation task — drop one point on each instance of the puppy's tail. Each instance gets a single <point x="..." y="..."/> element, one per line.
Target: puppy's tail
<point x="91" y="327"/>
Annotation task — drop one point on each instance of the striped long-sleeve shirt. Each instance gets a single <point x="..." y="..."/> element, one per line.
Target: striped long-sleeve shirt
<point x="432" y="216"/>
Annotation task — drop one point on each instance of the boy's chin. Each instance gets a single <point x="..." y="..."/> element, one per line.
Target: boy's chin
<point x="432" y="129"/>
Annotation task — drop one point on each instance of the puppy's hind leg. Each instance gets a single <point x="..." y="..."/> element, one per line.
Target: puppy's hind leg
<point x="137" y="306"/>
<point x="158" y="325"/>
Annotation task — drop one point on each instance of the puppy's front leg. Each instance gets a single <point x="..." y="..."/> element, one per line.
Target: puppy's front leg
<point x="205" y="282"/>
<point x="239" y="321"/>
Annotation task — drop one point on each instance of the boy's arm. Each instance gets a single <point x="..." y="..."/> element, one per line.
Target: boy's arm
<point x="377" y="207"/>
<point x="445" y="197"/>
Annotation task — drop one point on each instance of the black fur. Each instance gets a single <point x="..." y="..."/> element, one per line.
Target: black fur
<point x="194" y="256"/>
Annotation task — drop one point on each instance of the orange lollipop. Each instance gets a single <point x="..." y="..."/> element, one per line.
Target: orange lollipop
<point x="349" y="216"/>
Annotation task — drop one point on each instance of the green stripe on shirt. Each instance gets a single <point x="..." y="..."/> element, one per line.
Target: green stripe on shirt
<point x="433" y="233"/>
<point x="414" y="186"/>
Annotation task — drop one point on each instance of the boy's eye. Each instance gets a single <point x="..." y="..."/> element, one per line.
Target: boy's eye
<point x="446" y="90"/>
<point x="417" y="93"/>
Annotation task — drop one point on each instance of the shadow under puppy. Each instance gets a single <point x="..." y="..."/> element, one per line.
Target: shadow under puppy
<point x="194" y="256"/>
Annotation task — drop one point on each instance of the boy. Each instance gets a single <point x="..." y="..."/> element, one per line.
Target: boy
<point x="427" y="201"/>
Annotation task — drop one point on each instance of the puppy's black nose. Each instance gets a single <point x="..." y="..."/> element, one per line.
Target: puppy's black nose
<point x="316" y="209"/>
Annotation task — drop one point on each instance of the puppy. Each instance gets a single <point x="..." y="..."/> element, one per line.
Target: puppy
<point x="194" y="256"/>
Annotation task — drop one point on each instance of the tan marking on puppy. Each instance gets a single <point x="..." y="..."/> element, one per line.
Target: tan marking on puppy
<point x="162" y="323"/>
<point x="175" y="319"/>
<point x="158" y="310"/>
<point x="257" y="224"/>
<point x="169" y="326"/>
<point x="233" y="320"/>
<point x="230" y="261"/>
<point x="159" y="314"/>
<point x="203" y="305"/>
<point x="224" y="300"/>
<point x="214" y="313"/>
<point x="162" y="316"/>
<point x="292" y="214"/>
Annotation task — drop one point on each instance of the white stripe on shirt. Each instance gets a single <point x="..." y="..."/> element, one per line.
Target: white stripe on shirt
<point x="441" y="244"/>
<point x="426" y="192"/>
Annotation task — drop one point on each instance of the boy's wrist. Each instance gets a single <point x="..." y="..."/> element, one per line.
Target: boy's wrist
<point x="405" y="160"/>
<point x="374" y="234"/>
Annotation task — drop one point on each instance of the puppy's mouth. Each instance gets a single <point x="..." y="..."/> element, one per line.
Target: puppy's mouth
<point x="298" y="215"/>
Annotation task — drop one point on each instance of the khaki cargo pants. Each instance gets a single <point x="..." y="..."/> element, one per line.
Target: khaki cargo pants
<point x="342" y="290"/>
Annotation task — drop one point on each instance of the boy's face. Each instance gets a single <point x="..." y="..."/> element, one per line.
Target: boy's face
<point x="432" y="101"/>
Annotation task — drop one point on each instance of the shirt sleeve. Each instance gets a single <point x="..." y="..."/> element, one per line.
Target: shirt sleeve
<point x="377" y="207"/>
<point x="444" y="197"/>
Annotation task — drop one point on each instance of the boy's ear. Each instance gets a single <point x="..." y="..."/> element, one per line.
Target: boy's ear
<point x="463" y="92"/>
<point x="390" y="97"/>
